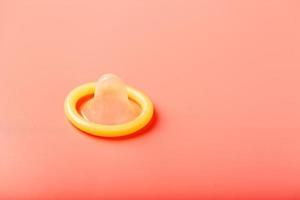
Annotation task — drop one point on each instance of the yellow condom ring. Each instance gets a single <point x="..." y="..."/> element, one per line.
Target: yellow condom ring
<point x="107" y="130"/>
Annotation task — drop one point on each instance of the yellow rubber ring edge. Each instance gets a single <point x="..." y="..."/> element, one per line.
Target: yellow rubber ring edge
<point x="107" y="130"/>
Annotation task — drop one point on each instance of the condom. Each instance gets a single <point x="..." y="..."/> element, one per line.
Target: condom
<point x="114" y="110"/>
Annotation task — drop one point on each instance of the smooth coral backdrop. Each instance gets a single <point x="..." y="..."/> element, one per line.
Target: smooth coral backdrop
<point x="224" y="76"/>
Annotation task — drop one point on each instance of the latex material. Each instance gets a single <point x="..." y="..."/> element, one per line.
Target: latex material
<point x="107" y="130"/>
<point x="110" y="104"/>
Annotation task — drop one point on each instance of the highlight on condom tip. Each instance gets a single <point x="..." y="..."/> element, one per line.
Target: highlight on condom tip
<point x="113" y="109"/>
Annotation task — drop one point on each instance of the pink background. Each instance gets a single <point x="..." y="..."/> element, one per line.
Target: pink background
<point x="224" y="76"/>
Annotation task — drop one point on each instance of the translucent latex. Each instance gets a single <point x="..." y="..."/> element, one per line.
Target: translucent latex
<point x="110" y="104"/>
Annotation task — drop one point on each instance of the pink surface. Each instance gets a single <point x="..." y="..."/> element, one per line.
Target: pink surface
<point x="223" y="75"/>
